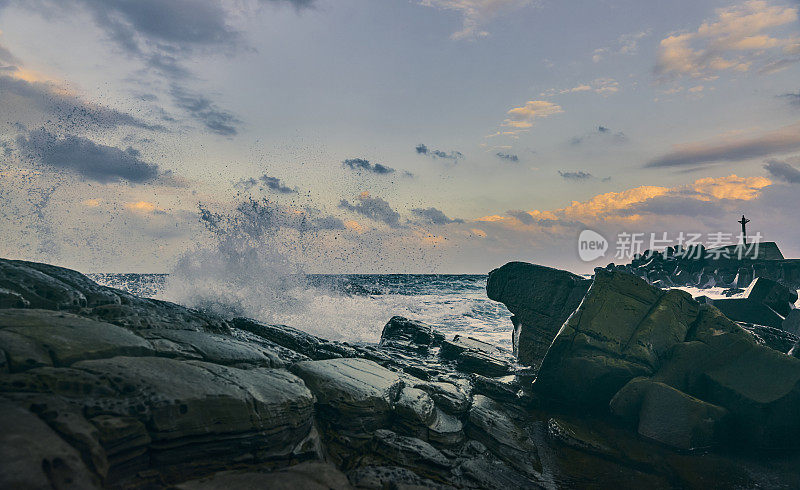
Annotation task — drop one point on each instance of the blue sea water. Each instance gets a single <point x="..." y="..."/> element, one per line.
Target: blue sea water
<point x="355" y="307"/>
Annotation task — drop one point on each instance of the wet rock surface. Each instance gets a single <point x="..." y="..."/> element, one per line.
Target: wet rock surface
<point x="102" y="389"/>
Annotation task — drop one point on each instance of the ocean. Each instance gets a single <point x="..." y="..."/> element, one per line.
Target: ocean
<point x="354" y="307"/>
<point x="348" y="307"/>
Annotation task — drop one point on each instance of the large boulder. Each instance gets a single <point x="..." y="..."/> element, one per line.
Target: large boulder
<point x="623" y="329"/>
<point x="541" y="299"/>
<point x="626" y="329"/>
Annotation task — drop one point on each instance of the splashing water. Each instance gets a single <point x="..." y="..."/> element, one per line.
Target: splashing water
<point x="243" y="271"/>
<point x="250" y="268"/>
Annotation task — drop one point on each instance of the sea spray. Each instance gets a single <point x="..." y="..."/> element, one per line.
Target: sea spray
<point x="252" y="266"/>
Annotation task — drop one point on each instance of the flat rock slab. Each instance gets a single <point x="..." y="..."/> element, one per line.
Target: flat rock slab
<point x="216" y="348"/>
<point x="66" y="338"/>
<point x="359" y="393"/>
<point x="191" y="398"/>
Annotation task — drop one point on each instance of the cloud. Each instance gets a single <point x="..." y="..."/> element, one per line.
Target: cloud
<point x="267" y="182"/>
<point x="143" y="207"/>
<point x="475" y="13"/>
<point x="275" y="184"/>
<point x="434" y="216"/>
<point x="523" y="117"/>
<point x="509" y="157"/>
<point x="156" y="26"/>
<point x="730" y="187"/>
<point x="453" y="155"/>
<point x="737" y="38"/>
<point x="35" y="100"/>
<point x="601" y="133"/>
<point x="783" y="171"/>
<point x="524" y="217"/>
<point x="163" y="35"/>
<point x="205" y="111"/>
<point x="793" y="98"/>
<point x="365" y="165"/>
<point x="782" y="140"/>
<point x="578" y="175"/>
<point x="373" y="208"/>
<point x="91" y="160"/>
<point x="674" y="206"/>
<point x="601" y="86"/>
<point x="627" y="44"/>
<point x="703" y="198"/>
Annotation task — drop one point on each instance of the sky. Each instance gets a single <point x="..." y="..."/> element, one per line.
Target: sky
<point x="393" y="136"/>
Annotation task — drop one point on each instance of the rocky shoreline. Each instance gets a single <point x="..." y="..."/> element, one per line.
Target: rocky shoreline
<point x="615" y="382"/>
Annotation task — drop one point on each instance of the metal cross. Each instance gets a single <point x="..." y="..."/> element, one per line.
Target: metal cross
<point x="744" y="222"/>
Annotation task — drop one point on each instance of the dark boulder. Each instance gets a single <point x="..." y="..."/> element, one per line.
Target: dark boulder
<point x="773" y="294"/>
<point x="541" y="299"/>
<point x="623" y="329"/>
<point x="408" y="334"/>
<point x="764" y="302"/>
<point x="670" y="416"/>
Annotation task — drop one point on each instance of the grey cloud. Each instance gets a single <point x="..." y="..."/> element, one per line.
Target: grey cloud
<point x="453" y="155"/>
<point x="779" y="141"/>
<point x="275" y="184"/>
<point x="577" y="175"/>
<point x="271" y="183"/>
<point x="523" y="216"/>
<point x="246" y="184"/>
<point x="68" y="110"/>
<point x="434" y="216"/>
<point x="205" y="111"/>
<point x="161" y="34"/>
<point x="777" y="65"/>
<point x="601" y="133"/>
<point x="175" y="25"/>
<point x="373" y="208"/>
<point x="92" y="160"/>
<point x="366" y="165"/>
<point x="783" y="171"/>
<point x="793" y="98"/>
<point x="168" y="66"/>
<point x="507" y="156"/>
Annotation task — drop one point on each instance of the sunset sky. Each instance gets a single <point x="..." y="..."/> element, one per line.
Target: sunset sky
<point x="393" y="135"/>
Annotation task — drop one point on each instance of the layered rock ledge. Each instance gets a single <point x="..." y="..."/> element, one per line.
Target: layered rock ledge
<point x="101" y="389"/>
